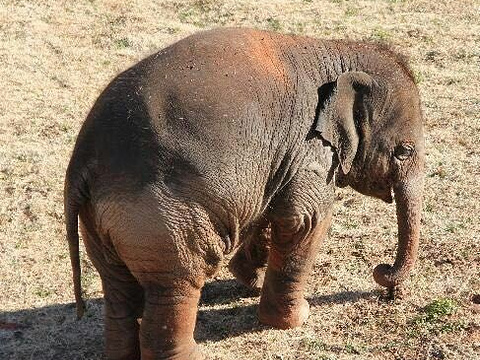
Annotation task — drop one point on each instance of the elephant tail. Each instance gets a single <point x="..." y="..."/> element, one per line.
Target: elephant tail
<point x="75" y="195"/>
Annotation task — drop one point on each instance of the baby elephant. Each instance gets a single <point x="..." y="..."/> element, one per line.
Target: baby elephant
<point x="234" y="140"/>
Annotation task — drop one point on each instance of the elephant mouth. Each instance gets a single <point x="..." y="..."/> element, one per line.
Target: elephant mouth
<point x="382" y="193"/>
<point x="376" y="190"/>
<point x="341" y="180"/>
<point x="387" y="196"/>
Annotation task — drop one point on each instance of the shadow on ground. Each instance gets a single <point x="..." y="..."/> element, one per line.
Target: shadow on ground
<point x="343" y="297"/>
<point x="51" y="332"/>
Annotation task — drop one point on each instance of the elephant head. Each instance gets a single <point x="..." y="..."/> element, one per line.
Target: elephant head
<point x="375" y="127"/>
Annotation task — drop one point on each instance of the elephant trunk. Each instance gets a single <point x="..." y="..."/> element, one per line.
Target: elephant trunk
<point x="408" y="198"/>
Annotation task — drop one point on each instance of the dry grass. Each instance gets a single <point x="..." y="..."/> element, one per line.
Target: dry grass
<point x="56" y="56"/>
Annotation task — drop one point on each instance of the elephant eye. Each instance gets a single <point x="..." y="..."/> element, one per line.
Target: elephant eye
<point x="403" y="151"/>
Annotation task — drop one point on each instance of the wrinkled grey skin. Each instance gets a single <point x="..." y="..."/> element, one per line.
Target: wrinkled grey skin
<point x="235" y="139"/>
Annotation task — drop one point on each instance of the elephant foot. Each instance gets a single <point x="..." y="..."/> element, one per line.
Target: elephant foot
<point x="246" y="273"/>
<point x="123" y="354"/>
<point x="133" y="356"/>
<point x="283" y="316"/>
<point x="169" y="316"/>
<point x="121" y="346"/>
<point x="180" y="352"/>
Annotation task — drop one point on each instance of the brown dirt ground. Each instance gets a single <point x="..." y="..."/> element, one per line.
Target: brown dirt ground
<point x="55" y="58"/>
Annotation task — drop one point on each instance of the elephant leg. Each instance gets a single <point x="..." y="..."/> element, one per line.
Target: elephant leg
<point x="123" y="305"/>
<point x="299" y="217"/>
<point x="168" y="322"/>
<point x="249" y="263"/>
<point x="122" y="293"/>
<point x="295" y="241"/>
<point x="170" y="248"/>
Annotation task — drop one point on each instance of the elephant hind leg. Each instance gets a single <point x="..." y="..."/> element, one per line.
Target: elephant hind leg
<point x="124" y="301"/>
<point x="123" y="295"/>
<point x="249" y="263"/>
<point x="168" y="322"/>
<point x="170" y="248"/>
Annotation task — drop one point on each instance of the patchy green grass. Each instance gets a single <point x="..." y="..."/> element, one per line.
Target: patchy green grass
<point x="436" y="318"/>
<point x="439" y="309"/>
<point x="122" y="43"/>
<point x="380" y="34"/>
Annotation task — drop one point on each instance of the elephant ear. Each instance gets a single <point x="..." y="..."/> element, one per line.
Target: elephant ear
<point x="335" y="120"/>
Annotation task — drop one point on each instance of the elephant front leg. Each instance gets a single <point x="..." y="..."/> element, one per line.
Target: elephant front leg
<point x="168" y="323"/>
<point x="250" y="261"/>
<point x="295" y="241"/>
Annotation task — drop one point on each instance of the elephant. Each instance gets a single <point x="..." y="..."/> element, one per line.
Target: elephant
<point x="235" y="139"/>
